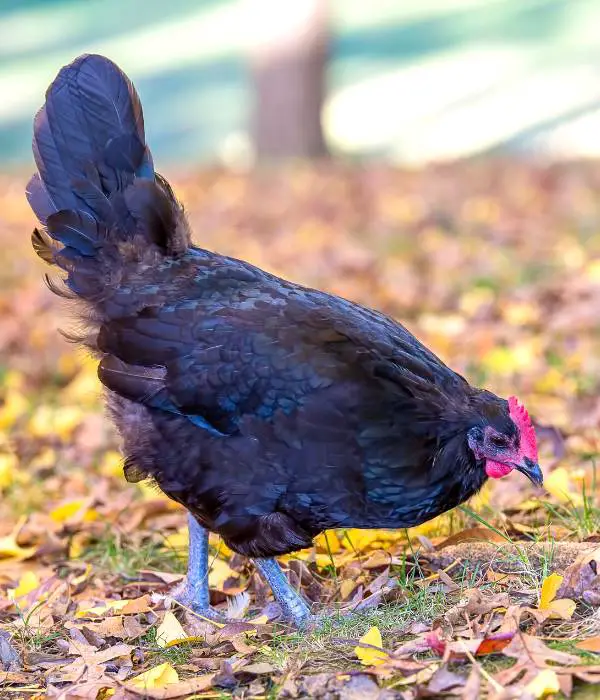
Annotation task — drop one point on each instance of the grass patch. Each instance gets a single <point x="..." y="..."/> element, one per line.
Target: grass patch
<point x="582" y="519"/>
<point x="113" y="554"/>
<point x="569" y="647"/>
<point x="177" y="654"/>
<point x="333" y="641"/>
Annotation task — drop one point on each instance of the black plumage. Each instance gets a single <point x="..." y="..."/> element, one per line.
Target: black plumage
<point x="269" y="410"/>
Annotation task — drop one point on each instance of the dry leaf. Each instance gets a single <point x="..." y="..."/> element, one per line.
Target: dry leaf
<point x="590" y="644"/>
<point x="123" y="607"/>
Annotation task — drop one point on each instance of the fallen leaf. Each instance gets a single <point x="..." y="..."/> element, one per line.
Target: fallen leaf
<point x="170" y="631"/>
<point x="563" y="607"/>
<point x="494" y="643"/>
<point x="9" y="464"/>
<point x="590" y="644"/>
<point x="258" y="668"/>
<point x="219" y="572"/>
<point x="370" y="651"/>
<point x="156" y="677"/>
<point x="582" y="579"/>
<point x="78" y="510"/>
<point x="178" y="689"/>
<point x="27" y="583"/>
<point x="10" y="550"/>
<point x="545" y="683"/>
<point x="560" y="484"/>
<point x="123" y="607"/>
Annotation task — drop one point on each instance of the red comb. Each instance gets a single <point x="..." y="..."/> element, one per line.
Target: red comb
<point x="522" y="420"/>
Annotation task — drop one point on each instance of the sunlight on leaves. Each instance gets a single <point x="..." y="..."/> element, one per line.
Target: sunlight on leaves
<point x="10" y="550"/>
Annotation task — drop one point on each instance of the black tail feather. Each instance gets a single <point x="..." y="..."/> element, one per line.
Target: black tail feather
<point x="91" y="108"/>
<point x="96" y="187"/>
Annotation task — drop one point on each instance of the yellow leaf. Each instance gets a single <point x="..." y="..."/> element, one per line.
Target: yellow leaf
<point x="367" y="654"/>
<point x="550" y="587"/>
<point x="85" y="388"/>
<point x="559" y="483"/>
<point x="76" y="580"/>
<point x="178" y="540"/>
<point x="14" y="406"/>
<point x="78" y="543"/>
<point x="323" y="561"/>
<point x="105" y="693"/>
<point x="112" y="464"/>
<point x="346" y="587"/>
<point x="9" y="549"/>
<point x="158" y="677"/>
<point x="219" y="572"/>
<point x="60" y="421"/>
<point x="8" y="469"/>
<point x="563" y="607"/>
<point x="328" y="542"/>
<point x="545" y="683"/>
<point x="170" y="631"/>
<point x="27" y="583"/>
<point x="66" y="511"/>
<point x="46" y="458"/>
<point x="259" y="620"/>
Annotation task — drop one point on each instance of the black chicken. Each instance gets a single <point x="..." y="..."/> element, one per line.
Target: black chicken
<point x="269" y="410"/>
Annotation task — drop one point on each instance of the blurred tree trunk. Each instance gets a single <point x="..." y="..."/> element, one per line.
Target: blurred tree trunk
<point x="288" y="62"/>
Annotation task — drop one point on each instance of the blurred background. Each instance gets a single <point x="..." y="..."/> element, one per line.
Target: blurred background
<point x="226" y="80"/>
<point x="435" y="159"/>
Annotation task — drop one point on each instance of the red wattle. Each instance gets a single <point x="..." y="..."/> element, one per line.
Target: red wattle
<point x="496" y="470"/>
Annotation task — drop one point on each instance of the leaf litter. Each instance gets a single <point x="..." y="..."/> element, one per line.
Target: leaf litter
<point x="497" y="600"/>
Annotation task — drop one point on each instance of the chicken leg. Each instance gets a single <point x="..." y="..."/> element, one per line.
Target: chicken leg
<point x="293" y="606"/>
<point x="193" y="592"/>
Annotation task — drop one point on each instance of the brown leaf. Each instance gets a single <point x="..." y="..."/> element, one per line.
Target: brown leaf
<point x="472" y="688"/>
<point x="524" y="646"/>
<point x="475" y="605"/>
<point x="444" y="680"/>
<point x="258" y="668"/>
<point x="174" y="690"/>
<point x="582" y="579"/>
<point x="590" y="644"/>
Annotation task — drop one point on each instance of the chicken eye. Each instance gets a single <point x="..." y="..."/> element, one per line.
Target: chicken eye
<point x="498" y="441"/>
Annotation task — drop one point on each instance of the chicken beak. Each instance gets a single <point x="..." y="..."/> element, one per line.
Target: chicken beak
<point x="531" y="470"/>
